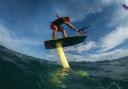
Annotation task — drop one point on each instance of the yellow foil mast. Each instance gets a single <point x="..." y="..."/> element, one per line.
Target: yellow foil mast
<point x="63" y="42"/>
<point x="62" y="55"/>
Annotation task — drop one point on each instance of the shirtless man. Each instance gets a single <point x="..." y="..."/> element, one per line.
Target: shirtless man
<point x="56" y="26"/>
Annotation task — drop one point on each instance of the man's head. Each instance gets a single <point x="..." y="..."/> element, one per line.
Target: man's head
<point x="68" y="19"/>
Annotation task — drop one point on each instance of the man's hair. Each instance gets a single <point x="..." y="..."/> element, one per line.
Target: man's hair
<point x="67" y="18"/>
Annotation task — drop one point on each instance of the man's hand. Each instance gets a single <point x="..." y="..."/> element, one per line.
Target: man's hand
<point x="81" y="32"/>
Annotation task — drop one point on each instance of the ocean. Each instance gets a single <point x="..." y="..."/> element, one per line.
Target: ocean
<point x="19" y="71"/>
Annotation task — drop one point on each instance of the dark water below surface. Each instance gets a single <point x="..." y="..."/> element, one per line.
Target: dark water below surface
<point x="18" y="71"/>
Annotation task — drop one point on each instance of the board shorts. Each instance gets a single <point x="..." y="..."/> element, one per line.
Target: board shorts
<point x="54" y="27"/>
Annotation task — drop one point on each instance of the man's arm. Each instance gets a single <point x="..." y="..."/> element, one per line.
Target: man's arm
<point x="71" y="26"/>
<point x="75" y="29"/>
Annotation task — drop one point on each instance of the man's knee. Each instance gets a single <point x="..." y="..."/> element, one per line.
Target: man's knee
<point x="62" y="30"/>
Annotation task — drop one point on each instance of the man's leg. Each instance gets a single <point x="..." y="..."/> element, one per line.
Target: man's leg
<point x="55" y="30"/>
<point x="63" y="32"/>
<point x="54" y="34"/>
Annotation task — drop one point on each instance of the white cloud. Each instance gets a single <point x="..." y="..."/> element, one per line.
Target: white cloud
<point x="125" y="1"/>
<point x="86" y="47"/>
<point x="5" y="35"/>
<point x="9" y="40"/>
<point x="99" y="56"/>
<point x="80" y="9"/>
<point x="114" y="39"/>
<point x="120" y="34"/>
<point x="81" y="47"/>
<point x="110" y="55"/>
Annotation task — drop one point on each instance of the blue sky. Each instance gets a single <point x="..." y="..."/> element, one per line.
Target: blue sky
<point x="25" y="25"/>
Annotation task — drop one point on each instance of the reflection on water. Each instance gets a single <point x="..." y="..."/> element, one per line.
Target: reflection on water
<point x="61" y="77"/>
<point x="57" y="77"/>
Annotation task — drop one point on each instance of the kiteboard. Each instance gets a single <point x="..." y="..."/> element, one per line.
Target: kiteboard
<point x="67" y="41"/>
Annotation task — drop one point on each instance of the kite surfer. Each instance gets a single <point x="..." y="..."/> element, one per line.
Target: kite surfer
<point x="56" y="26"/>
